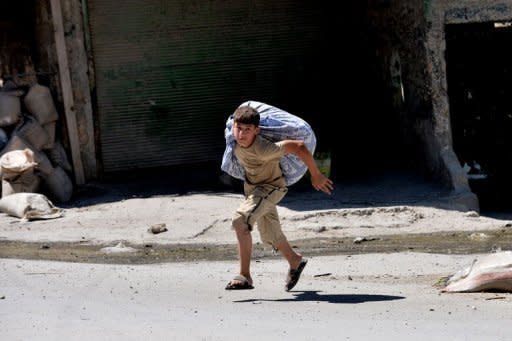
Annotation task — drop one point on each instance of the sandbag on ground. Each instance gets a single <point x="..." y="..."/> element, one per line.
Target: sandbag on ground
<point x="29" y="206"/>
<point x="489" y="273"/>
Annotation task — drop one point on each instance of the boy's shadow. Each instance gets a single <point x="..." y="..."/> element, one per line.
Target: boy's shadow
<point x="313" y="296"/>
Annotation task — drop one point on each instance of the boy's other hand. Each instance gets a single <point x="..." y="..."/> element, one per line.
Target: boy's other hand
<point x="322" y="183"/>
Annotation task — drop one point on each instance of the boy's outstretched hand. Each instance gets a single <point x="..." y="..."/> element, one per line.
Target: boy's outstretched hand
<point x="322" y="183"/>
<point x="319" y="181"/>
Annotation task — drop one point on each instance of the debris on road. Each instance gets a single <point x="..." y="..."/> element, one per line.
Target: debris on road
<point x="119" y="248"/>
<point x="492" y="272"/>
<point x="359" y="240"/>
<point x="158" y="228"/>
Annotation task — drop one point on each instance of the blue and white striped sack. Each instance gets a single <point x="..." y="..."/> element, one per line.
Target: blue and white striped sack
<point x="275" y="125"/>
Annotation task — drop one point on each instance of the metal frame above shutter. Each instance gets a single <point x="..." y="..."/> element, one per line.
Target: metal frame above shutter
<point x="168" y="73"/>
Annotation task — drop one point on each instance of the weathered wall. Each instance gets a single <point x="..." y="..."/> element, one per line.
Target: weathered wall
<point x="79" y="67"/>
<point x="78" y="64"/>
<point x="412" y="47"/>
<point x="16" y="41"/>
<point x="401" y="45"/>
<point x="438" y="14"/>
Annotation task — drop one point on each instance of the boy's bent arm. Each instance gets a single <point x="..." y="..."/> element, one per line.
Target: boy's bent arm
<point x="319" y="181"/>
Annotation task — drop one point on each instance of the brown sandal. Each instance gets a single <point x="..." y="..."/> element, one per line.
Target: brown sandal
<point x="294" y="275"/>
<point x="244" y="285"/>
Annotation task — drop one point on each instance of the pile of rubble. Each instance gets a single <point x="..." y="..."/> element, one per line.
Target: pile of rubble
<point x="31" y="159"/>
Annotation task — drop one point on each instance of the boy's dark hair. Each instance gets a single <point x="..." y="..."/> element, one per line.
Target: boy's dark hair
<point x="246" y="115"/>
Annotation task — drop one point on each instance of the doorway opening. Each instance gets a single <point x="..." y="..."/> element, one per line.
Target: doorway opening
<point x="479" y="74"/>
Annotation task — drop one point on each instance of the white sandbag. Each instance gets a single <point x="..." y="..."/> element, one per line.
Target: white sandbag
<point x="32" y="132"/>
<point x="26" y="182"/>
<point x="43" y="164"/>
<point x="7" y="189"/>
<point x="275" y="125"/>
<point x="39" y="103"/>
<point x="13" y="163"/>
<point x="58" y="184"/>
<point x="29" y="206"/>
<point x="490" y="272"/>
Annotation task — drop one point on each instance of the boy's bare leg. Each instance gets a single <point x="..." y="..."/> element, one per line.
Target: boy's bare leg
<point x="289" y="253"/>
<point x="244" y="253"/>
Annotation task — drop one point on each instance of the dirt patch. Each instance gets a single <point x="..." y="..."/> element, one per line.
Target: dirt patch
<point x="440" y="242"/>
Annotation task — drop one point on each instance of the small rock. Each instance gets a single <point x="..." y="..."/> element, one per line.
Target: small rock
<point x="321" y="229"/>
<point x="2" y="297"/>
<point x="478" y="236"/>
<point x="359" y="240"/>
<point x="472" y="214"/>
<point x="157" y="228"/>
<point x="45" y="246"/>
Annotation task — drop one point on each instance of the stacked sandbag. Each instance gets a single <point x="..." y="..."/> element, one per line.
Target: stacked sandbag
<point x="33" y="130"/>
<point x="39" y="103"/>
<point x="10" y="107"/>
<point x="29" y="206"/>
<point x="17" y="169"/>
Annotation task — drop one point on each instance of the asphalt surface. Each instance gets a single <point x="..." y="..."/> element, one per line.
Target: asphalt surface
<point x="378" y="253"/>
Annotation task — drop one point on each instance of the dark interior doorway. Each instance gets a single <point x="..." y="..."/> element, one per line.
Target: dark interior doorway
<point x="479" y="73"/>
<point x="346" y="98"/>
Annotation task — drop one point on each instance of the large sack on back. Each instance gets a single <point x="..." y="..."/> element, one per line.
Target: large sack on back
<point x="275" y="125"/>
<point x="29" y="206"/>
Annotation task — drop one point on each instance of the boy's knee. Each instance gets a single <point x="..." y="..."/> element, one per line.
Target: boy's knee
<point x="240" y="225"/>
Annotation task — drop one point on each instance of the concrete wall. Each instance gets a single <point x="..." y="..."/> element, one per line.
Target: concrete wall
<point x="439" y="13"/>
<point x="412" y="46"/>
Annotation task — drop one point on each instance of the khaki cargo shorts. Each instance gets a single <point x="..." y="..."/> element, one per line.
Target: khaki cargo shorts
<point x="260" y="207"/>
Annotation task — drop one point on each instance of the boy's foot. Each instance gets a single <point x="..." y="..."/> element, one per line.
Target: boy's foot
<point x="294" y="275"/>
<point x="239" y="283"/>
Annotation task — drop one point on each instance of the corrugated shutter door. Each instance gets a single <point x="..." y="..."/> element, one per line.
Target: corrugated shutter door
<point x="168" y="73"/>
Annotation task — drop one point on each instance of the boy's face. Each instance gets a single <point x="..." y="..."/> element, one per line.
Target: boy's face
<point x="245" y="133"/>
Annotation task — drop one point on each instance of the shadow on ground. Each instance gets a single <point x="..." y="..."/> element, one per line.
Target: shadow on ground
<point x="390" y="189"/>
<point x="314" y="296"/>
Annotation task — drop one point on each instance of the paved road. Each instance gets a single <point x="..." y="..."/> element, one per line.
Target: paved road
<point x="359" y="297"/>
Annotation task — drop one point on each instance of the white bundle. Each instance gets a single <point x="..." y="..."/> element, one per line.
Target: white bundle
<point x="275" y="125"/>
<point x="16" y="162"/>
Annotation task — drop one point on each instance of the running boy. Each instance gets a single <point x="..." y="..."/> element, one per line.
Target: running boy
<point x="264" y="187"/>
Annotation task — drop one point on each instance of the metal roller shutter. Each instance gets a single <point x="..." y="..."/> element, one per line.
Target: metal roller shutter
<point x="168" y="73"/>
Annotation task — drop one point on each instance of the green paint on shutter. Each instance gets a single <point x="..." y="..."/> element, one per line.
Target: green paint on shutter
<point x="168" y="73"/>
